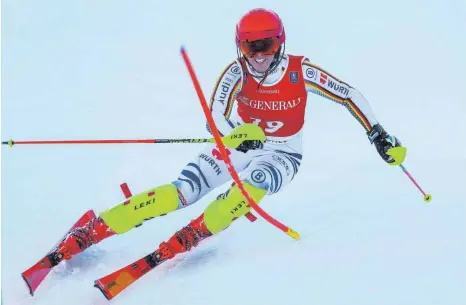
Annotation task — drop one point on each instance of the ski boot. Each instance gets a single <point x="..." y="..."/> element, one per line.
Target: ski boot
<point x="81" y="238"/>
<point x="183" y="240"/>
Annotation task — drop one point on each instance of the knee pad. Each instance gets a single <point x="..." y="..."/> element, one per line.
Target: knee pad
<point x="131" y="213"/>
<point x="221" y="213"/>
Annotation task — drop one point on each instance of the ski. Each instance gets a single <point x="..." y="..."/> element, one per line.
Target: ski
<point x="34" y="276"/>
<point x="116" y="282"/>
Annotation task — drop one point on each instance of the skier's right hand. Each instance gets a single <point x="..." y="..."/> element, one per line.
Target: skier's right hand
<point x="250" y="144"/>
<point x="245" y="137"/>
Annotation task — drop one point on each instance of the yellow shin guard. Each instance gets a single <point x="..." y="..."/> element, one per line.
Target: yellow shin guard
<point x="152" y="203"/>
<point x="221" y="213"/>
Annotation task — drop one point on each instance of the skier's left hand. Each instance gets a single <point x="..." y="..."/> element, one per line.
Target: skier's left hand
<point x="388" y="147"/>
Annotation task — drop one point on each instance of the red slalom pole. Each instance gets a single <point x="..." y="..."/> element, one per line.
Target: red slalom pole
<point x="427" y="197"/>
<point x="224" y="153"/>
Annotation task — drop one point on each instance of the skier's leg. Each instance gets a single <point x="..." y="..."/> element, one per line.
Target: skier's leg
<point x="230" y="206"/>
<point x="143" y="206"/>
<point x="120" y="219"/>
<point x="204" y="173"/>
<point x="266" y="174"/>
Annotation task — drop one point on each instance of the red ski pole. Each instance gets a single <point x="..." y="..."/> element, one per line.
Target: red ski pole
<point x="427" y="197"/>
<point x="224" y="153"/>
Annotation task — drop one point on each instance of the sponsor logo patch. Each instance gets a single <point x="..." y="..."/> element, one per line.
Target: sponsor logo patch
<point x="268" y="91"/>
<point x="311" y="73"/>
<point x="144" y="204"/>
<point x="282" y="162"/>
<point x="338" y="87"/>
<point x="294" y="77"/>
<point x="216" y="153"/>
<point x="235" y="70"/>
<point x="237" y="207"/>
<point x="224" y="90"/>
<point x="212" y="163"/>
<point x="323" y="78"/>
<point x="258" y="176"/>
<point x="270" y="105"/>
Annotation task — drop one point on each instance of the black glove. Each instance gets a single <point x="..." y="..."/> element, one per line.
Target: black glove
<point x="249" y="144"/>
<point x="384" y="142"/>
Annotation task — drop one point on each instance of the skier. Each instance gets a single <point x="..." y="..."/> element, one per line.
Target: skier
<point x="263" y="92"/>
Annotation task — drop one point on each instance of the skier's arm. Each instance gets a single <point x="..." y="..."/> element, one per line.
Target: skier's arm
<point x="223" y="97"/>
<point x="321" y="82"/>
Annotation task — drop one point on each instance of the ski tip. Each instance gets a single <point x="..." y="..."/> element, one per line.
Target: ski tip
<point x="90" y="214"/>
<point x="99" y="286"/>
<point x="182" y="49"/>
<point x="31" y="292"/>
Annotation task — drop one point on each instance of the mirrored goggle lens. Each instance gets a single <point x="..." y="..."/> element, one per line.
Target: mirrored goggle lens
<point x="267" y="46"/>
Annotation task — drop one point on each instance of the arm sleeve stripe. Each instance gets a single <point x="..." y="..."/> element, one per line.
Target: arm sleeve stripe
<point x="348" y="103"/>
<point x="359" y="115"/>
<point x="231" y="99"/>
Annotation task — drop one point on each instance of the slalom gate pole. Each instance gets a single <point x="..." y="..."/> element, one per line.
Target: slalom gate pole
<point x="224" y="153"/>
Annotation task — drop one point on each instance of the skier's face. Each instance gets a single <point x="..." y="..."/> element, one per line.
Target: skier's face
<point x="261" y="62"/>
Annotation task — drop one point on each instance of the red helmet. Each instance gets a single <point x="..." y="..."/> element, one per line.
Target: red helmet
<point x="260" y="24"/>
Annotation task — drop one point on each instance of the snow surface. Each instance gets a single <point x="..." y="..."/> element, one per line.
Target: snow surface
<point x="111" y="69"/>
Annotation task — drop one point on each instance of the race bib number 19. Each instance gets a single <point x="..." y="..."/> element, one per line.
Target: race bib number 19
<point x="271" y="126"/>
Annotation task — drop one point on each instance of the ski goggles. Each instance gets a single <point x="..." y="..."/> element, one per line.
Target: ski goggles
<point x="268" y="46"/>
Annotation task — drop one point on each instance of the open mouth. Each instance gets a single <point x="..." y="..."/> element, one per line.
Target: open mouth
<point x="259" y="61"/>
